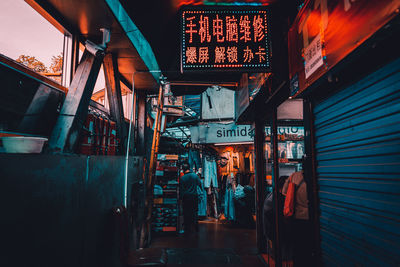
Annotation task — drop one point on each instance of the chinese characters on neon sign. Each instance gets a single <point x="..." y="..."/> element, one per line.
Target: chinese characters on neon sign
<point x="225" y="39"/>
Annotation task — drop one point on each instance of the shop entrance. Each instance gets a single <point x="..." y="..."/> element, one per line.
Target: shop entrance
<point x="226" y="232"/>
<point x="226" y="193"/>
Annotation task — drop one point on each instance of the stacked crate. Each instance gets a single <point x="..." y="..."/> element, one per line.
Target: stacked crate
<point x="165" y="207"/>
<point x="99" y="136"/>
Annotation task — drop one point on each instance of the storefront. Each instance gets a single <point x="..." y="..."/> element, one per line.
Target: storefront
<point x="347" y="70"/>
<point x="284" y="151"/>
<point x="231" y="193"/>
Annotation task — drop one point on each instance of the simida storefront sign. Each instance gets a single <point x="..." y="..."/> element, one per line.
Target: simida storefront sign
<point x="215" y="133"/>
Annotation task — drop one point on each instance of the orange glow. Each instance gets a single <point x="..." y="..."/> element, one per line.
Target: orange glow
<point x="83" y="23"/>
<point x="179" y="3"/>
<point x="314" y="23"/>
<point x="342" y="26"/>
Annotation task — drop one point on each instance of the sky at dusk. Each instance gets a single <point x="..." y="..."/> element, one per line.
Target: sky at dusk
<point x="24" y="31"/>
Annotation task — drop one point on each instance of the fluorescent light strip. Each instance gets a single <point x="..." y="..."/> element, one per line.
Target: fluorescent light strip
<point x="231" y="144"/>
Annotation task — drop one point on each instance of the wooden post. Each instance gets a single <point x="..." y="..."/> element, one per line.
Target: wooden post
<point x="113" y="87"/>
<point x="65" y="135"/>
<point x="140" y="148"/>
<point x="74" y="55"/>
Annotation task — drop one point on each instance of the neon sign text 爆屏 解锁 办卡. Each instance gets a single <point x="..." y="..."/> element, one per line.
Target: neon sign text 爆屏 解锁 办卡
<point x="225" y="39"/>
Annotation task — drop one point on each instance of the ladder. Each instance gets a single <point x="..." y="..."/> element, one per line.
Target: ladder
<point x="146" y="228"/>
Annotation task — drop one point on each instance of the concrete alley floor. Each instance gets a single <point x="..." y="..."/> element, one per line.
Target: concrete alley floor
<point x="216" y="244"/>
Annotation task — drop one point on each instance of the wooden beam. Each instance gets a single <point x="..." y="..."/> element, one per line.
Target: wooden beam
<point x="125" y="81"/>
<point x="74" y="55"/>
<point x="140" y="147"/>
<point x="32" y="118"/>
<point x="113" y="88"/>
<point x="65" y="135"/>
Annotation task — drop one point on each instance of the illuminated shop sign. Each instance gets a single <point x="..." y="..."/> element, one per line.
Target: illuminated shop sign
<point x="225" y="39"/>
<point x="231" y="133"/>
<point x="326" y="31"/>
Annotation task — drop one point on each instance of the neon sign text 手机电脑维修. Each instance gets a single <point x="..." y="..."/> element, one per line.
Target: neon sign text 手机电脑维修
<point x="225" y="39"/>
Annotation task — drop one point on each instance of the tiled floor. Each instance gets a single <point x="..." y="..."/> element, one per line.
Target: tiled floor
<point x="216" y="244"/>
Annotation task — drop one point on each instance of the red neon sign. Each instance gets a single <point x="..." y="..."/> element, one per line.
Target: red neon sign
<point x="234" y="38"/>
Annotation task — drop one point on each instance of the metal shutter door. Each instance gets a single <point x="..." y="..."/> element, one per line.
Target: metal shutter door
<point x="358" y="166"/>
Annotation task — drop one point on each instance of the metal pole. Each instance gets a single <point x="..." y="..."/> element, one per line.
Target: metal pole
<point x="128" y="144"/>
<point x="275" y="166"/>
<point x="260" y="181"/>
<point x="310" y="171"/>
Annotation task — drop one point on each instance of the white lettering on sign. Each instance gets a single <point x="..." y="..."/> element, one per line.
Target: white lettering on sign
<point x="231" y="133"/>
<point x="313" y="56"/>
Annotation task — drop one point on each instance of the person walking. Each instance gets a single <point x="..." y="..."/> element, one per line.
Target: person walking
<point x="300" y="225"/>
<point x="189" y="198"/>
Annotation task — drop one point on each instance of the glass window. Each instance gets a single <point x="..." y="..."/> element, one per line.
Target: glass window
<point x="27" y="37"/>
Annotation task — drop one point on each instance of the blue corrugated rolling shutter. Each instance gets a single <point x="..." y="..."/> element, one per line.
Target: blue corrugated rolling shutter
<point x="358" y="166"/>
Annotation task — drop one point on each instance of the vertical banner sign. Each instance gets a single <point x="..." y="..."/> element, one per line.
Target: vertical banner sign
<point x="326" y="31"/>
<point x="228" y="39"/>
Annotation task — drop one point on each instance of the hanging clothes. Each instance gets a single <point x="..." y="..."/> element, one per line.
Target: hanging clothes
<point x="210" y="172"/>
<point x="229" y="209"/>
<point x="194" y="160"/>
<point x="202" y="208"/>
<point x="235" y="161"/>
<point x="229" y="205"/>
<point x="226" y="166"/>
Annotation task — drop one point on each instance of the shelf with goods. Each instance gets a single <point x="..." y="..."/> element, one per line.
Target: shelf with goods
<point x="290" y="153"/>
<point x="165" y="207"/>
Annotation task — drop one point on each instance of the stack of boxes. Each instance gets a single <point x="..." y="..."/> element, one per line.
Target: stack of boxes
<point x="165" y="209"/>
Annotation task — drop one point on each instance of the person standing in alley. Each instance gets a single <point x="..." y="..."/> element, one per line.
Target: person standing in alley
<point x="301" y="234"/>
<point x="189" y="198"/>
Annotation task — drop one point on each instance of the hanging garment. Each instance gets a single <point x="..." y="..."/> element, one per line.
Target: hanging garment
<point x="194" y="160"/>
<point x="251" y="157"/>
<point x="202" y="211"/>
<point x="229" y="208"/>
<point x="210" y="173"/>
<point x="235" y="161"/>
<point x="229" y="205"/>
<point x="217" y="201"/>
<point x="239" y="192"/>
<point x="213" y="206"/>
